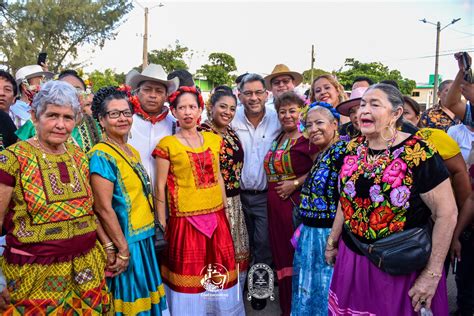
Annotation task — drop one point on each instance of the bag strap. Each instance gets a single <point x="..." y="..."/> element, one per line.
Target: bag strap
<point x="152" y="205"/>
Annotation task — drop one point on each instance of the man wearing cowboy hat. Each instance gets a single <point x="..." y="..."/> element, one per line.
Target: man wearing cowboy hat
<point x="28" y="79"/>
<point x="281" y="80"/>
<point x="152" y="120"/>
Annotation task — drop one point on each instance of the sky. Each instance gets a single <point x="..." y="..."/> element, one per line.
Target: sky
<point x="261" y="34"/>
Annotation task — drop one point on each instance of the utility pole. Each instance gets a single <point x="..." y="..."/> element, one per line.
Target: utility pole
<point x="312" y="63"/>
<point x="438" y="32"/>
<point x="145" y="34"/>
<point x="145" y="41"/>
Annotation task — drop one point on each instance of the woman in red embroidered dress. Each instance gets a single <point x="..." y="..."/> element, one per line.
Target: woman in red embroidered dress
<point x="286" y="164"/>
<point x="198" y="267"/>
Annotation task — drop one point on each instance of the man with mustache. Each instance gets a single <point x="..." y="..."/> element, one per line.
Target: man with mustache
<point x="152" y="119"/>
<point x="257" y="126"/>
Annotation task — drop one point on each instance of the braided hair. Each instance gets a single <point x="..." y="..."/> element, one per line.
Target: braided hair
<point x="103" y="97"/>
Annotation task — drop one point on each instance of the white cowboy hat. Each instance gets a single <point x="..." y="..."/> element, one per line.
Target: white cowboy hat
<point x="31" y="71"/>
<point x="153" y="72"/>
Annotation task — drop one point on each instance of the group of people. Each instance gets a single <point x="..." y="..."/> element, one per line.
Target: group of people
<point x="303" y="185"/>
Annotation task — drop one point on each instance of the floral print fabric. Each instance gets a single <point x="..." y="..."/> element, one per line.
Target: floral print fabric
<point x="319" y="195"/>
<point x="437" y="118"/>
<point x="231" y="158"/>
<point x="382" y="196"/>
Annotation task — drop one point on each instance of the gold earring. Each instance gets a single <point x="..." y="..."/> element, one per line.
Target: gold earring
<point x="391" y="129"/>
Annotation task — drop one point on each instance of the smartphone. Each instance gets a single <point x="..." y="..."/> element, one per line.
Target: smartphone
<point x="465" y="60"/>
<point x="42" y="58"/>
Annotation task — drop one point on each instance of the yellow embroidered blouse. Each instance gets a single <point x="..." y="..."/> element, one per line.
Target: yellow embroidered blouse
<point x="193" y="186"/>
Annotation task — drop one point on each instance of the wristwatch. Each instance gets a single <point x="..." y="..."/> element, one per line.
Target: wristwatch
<point x="296" y="183"/>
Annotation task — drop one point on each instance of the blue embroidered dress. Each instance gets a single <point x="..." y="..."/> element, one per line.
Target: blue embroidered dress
<point x="319" y="198"/>
<point x="138" y="290"/>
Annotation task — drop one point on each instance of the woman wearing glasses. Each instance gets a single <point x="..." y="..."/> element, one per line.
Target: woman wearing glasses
<point x="124" y="205"/>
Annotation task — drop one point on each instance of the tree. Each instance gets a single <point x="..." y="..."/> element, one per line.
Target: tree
<point x="105" y="79"/>
<point x="316" y="72"/>
<point x="219" y="69"/>
<point x="375" y="71"/>
<point x="170" y="58"/>
<point x="56" y="27"/>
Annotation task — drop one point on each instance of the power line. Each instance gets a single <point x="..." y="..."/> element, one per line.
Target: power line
<point x="462" y="32"/>
<point x="469" y="50"/>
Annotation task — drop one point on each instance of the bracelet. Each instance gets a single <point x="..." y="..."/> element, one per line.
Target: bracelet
<point x="433" y="274"/>
<point x="108" y="245"/>
<point x="331" y="242"/>
<point x="124" y="258"/>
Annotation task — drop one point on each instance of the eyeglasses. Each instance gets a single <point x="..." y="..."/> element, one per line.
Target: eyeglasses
<point x="116" y="114"/>
<point x="284" y="81"/>
<point x="258" y="93"/>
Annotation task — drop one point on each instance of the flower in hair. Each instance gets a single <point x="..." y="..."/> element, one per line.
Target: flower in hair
<point x="304" y="115"/>
<point x="182" y="90"/>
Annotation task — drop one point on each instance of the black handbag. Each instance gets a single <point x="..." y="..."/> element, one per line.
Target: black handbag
<point x="399" y="253"/>
<point x="160" y="241"/>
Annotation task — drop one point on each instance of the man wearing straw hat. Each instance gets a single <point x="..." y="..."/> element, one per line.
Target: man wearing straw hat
<point x="281" y="80"/>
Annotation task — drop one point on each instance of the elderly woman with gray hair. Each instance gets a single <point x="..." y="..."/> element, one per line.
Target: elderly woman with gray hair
<point x="392" y="184"/>
<point x="53" y="262"/>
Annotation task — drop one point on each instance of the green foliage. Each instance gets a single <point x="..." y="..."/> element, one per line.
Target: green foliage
<point x="375" y="71"/>
<point x="170" y="58"/>
<point x="219" y="69"/>
<point x="316" y="72"/>
<point x="58" y="27"/>
<point x="105" y="79"/>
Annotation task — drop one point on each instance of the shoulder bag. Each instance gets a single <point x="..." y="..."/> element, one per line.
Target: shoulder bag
<point x="400" y="253"/>
<point x="160" y="241"/>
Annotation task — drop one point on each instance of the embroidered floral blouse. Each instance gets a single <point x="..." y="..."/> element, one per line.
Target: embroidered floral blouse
<point x="319" y="194"/>
<point x="231" y="159"/>
<point x="381" y="198"/>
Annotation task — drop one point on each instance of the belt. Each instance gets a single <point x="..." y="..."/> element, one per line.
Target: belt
<point x="253" y="192"/>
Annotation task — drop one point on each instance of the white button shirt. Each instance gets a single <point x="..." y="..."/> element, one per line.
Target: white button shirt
<point x="145" y="137"/>
<point x="256" y="142"/>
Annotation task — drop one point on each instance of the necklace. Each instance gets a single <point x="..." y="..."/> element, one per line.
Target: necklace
<point x="372" y="163"/>
<point x="201" y="142"/>
<point x="122" y="147"/>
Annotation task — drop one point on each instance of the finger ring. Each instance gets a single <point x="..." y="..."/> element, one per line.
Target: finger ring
<point x="422" y="302"/>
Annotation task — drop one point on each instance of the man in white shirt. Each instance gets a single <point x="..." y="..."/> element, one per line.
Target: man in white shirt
<point x="152" y="119"/>
<point x="256" y="126"/>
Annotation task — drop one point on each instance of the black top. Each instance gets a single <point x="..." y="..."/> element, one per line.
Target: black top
<point x="379" y="199"/>
<point x="7" y="131"/>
